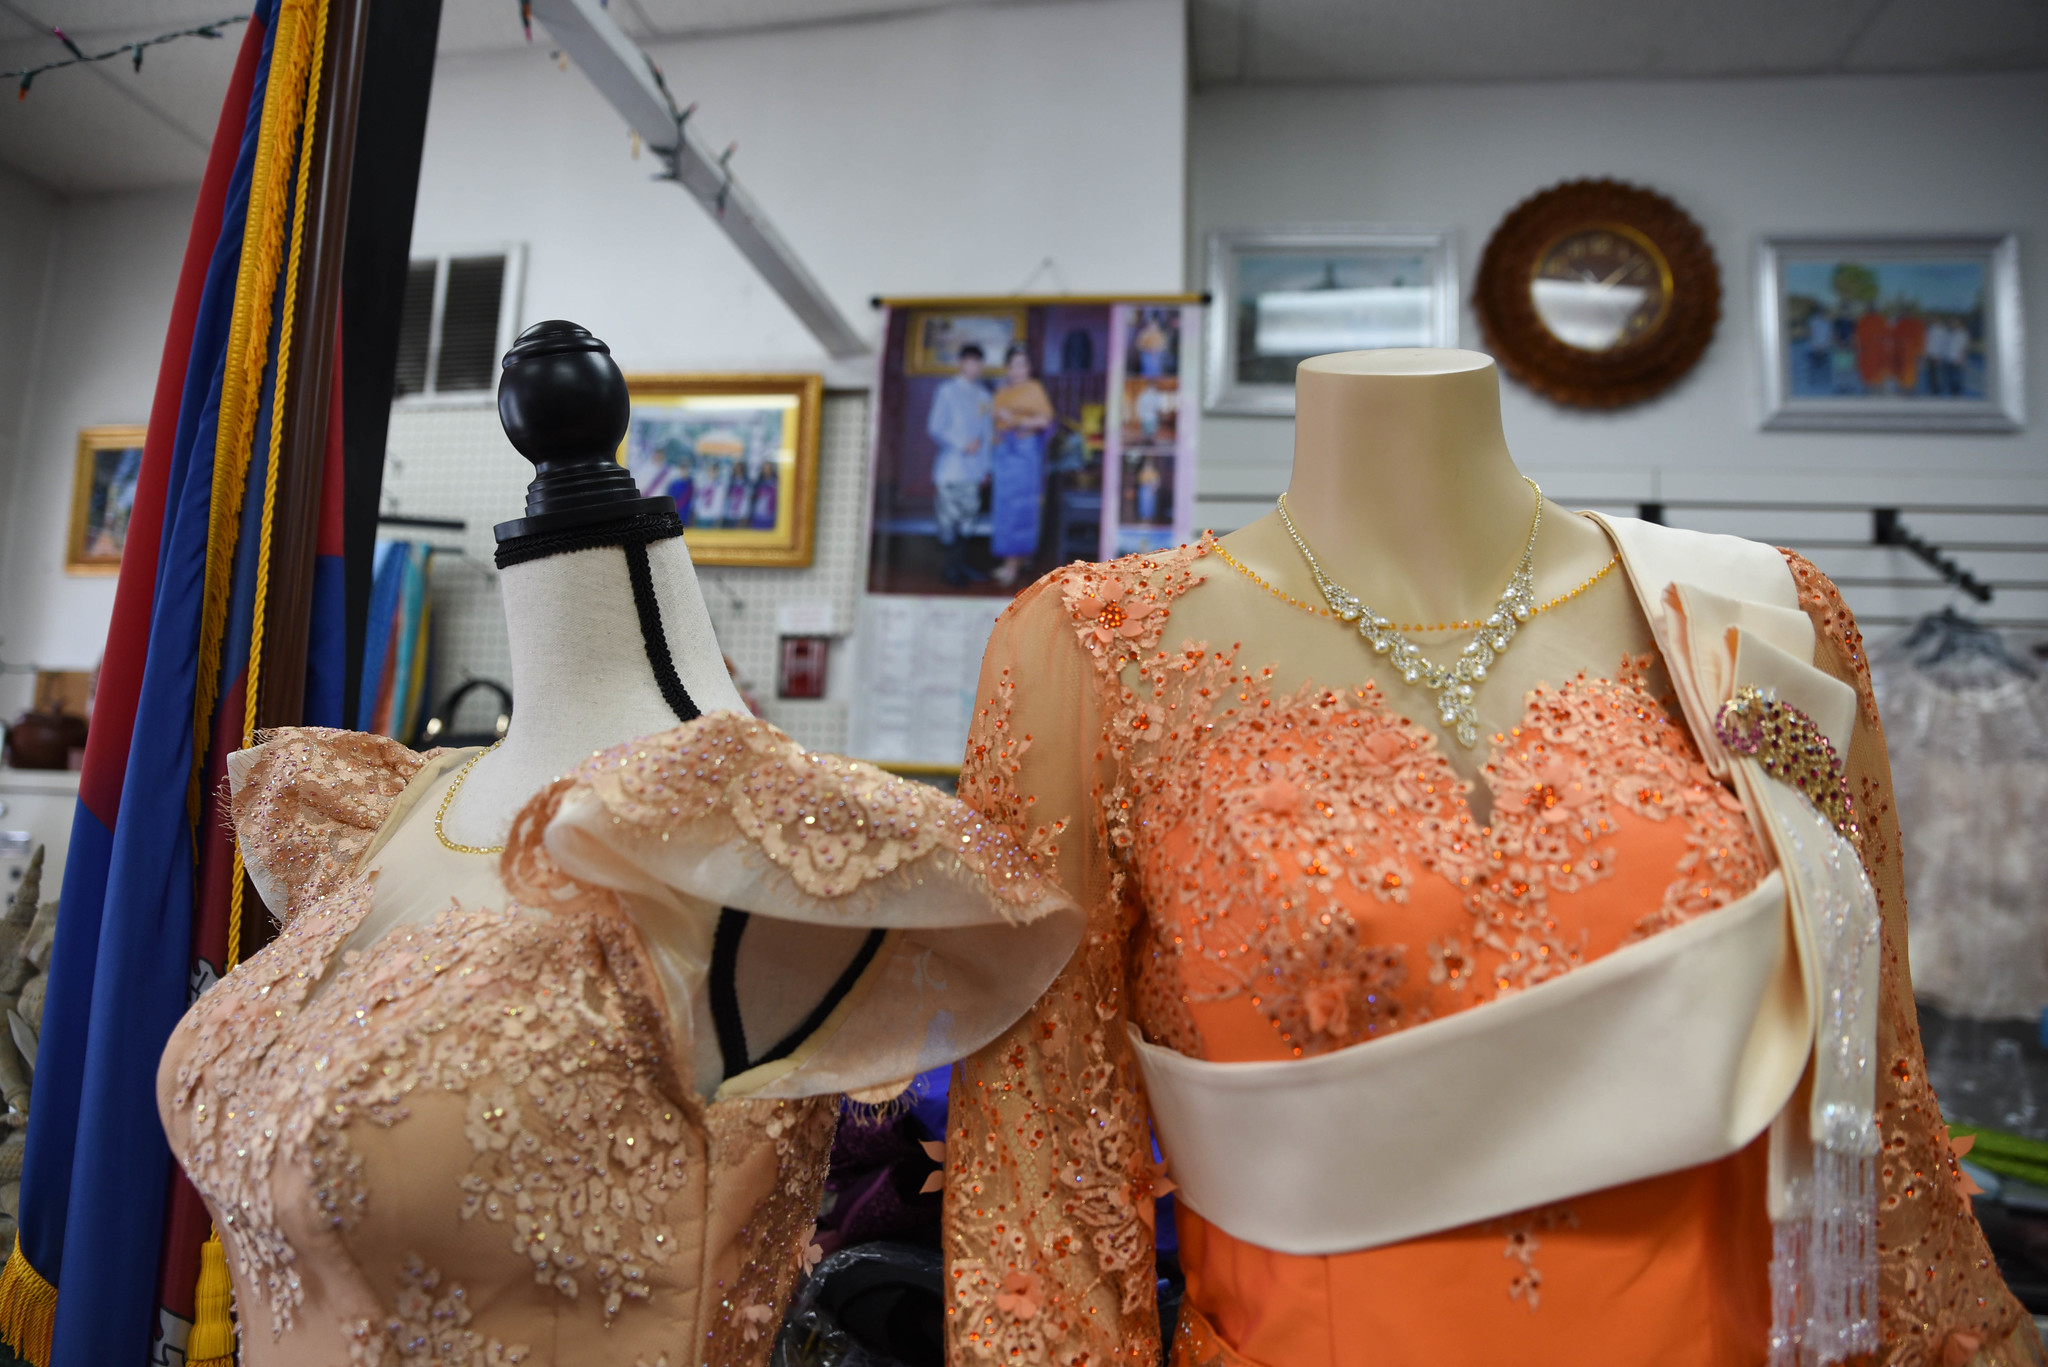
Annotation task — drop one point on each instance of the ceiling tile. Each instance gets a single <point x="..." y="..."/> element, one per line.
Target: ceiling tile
<point x="675" y="18"/>
<point x="1954" y="35"/>
<point x="483" y="26"/>
<point x="1394" y="40"/>
<point x="78" y="134"/>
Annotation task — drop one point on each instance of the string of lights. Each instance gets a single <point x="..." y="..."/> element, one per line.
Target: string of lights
<point x="134" y="50"/>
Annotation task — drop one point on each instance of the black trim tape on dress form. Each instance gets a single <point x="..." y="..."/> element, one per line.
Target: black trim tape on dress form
<point x="725" y="997"/>
<point x="633" y="535"/>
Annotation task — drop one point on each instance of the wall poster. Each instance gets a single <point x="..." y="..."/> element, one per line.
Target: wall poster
<point x="1012" y="435"/>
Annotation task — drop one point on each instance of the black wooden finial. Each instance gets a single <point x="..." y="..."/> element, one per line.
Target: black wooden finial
<point x="564" y="405"/>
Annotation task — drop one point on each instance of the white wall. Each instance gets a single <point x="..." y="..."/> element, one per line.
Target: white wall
<point x="28" y="226"/>
<point x="941" y="152"/>
<point x="1747" y="157"/>
<point x="111" y="275"/>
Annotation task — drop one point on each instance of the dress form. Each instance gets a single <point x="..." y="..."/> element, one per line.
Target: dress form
<point x="582" y="669"/>
<point x="599" y="660"/>
<point x="1404" y="487"/>
<point x="580" y="673"/>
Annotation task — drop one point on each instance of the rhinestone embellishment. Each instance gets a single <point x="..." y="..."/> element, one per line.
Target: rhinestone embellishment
<point x="1456" y="685"/>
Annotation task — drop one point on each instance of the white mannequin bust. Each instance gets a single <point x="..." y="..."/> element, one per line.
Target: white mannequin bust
<point x="581" y="681"/>
<point x="598" y="661"/>
<point x="1404" y="485"/>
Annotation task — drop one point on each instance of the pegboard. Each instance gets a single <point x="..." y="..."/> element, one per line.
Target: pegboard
<point x="451" y="460"/>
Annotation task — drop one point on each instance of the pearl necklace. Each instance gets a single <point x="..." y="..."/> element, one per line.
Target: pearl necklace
<point x="1455" y="685"/>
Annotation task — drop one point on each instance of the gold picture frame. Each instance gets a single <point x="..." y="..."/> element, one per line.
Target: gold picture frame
<point x="102" y="496"/>
<point x="935" y="334"/>
<point x="739" y="453"/>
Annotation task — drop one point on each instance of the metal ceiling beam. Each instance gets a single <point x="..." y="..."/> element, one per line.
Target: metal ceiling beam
<point x="628" y="80"/>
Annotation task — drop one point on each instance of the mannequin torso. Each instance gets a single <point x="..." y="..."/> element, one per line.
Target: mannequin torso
<point x="580" y="674"/>
<point x="1404" y="488"/>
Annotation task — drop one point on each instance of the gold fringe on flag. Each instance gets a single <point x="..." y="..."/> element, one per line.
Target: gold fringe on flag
<point x="293" y="84"/>
<point x="212" y="1342"/>
<point x="237" y="884"/>
<point x="28" y="1308"/>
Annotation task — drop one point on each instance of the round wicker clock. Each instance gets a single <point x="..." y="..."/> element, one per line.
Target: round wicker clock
<point x="1598" y="293"/>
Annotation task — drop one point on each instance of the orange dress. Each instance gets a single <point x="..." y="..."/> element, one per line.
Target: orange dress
<point x="1273" y="876"/>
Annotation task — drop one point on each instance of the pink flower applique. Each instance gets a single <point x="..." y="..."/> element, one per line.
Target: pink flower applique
<point x="1958" y="1145"/>
<point x="1280" y="796"/>
<point x="1387" y="880"/>
<point x="1113" y="613"/>
<point x="1020" y="1295"/>
<point x="1328" y="1005"/>
<point x="1385" y="752"/>
<point x="754" y="1321"/>
<point x="1449" y="965"/>
<point x="1558" y="783"/>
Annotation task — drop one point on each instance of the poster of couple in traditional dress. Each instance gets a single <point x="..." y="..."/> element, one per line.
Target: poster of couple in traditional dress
<point x="1014" y="436"/>
<point x="1011" y="436"/>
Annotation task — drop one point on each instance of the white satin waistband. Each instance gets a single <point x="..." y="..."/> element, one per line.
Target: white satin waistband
<point x="1664" y="1054"/>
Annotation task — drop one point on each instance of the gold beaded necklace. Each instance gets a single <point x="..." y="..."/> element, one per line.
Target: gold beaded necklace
<point x="1455" y="685"/>
<point x="1248" y="572"/>
<point x="448" y="797"/>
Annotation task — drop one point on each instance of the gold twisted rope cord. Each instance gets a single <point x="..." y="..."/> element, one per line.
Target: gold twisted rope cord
<point x="314" y="55"/>
<point x="448" y="797"/>
<point x="1248" y="572"/>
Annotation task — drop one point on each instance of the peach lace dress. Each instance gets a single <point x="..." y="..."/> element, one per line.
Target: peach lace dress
<point x="448" y="1116"/>
<point x="1279" y="874"/>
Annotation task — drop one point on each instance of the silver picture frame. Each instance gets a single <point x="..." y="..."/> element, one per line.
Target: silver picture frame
<point x="1241" y="380"/>
<point x="1960" y="368"/>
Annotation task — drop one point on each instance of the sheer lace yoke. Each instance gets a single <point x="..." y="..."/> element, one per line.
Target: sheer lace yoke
<point x="413" y="877"/>
<point x="1313" y="863"/>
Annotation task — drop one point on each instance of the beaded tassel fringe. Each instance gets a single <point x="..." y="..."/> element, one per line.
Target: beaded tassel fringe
<point x="1824" y="1265"/>
<point x="1824" y="1252"/>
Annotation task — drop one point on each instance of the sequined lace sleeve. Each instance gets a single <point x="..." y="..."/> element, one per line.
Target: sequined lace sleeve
<point x="307" y="801"/>
<point x="1942" y="1300"/>
<point x="728" y="811"/>
<point x="1048" y="1208"/>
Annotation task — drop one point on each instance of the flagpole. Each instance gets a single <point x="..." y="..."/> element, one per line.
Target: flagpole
<point x="390" y="135"/>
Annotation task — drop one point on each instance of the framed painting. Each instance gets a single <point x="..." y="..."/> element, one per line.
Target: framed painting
<point x="936" y="337"/>
<point x="1899" y="333"/>
<point x="738" y="453"/>
<point x="1282" y="295"/>
<point x="102" y="497"/>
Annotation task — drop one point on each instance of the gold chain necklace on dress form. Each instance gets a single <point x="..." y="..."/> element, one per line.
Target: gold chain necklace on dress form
<point x="1455" y="685"/>
<point x="448" y="797"/>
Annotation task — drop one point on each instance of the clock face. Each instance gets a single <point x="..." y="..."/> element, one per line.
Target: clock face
<point x="1601" y="287"/>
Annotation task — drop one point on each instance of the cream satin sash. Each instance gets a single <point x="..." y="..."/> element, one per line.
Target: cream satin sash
<point x="1666" y="1053"/>
<point x="1672" y="1052"/>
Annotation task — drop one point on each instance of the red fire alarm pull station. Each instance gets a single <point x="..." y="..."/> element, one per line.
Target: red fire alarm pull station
<point x="803" y="667"/>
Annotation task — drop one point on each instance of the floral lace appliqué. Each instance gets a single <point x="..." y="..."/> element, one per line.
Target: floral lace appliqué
<point x="1524" y="1241"/>
<point x="428" y="1327"/>
<point x="834" y="826"/>
<point x="586" y="1159"/>
<point x="1282" y="846"/>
